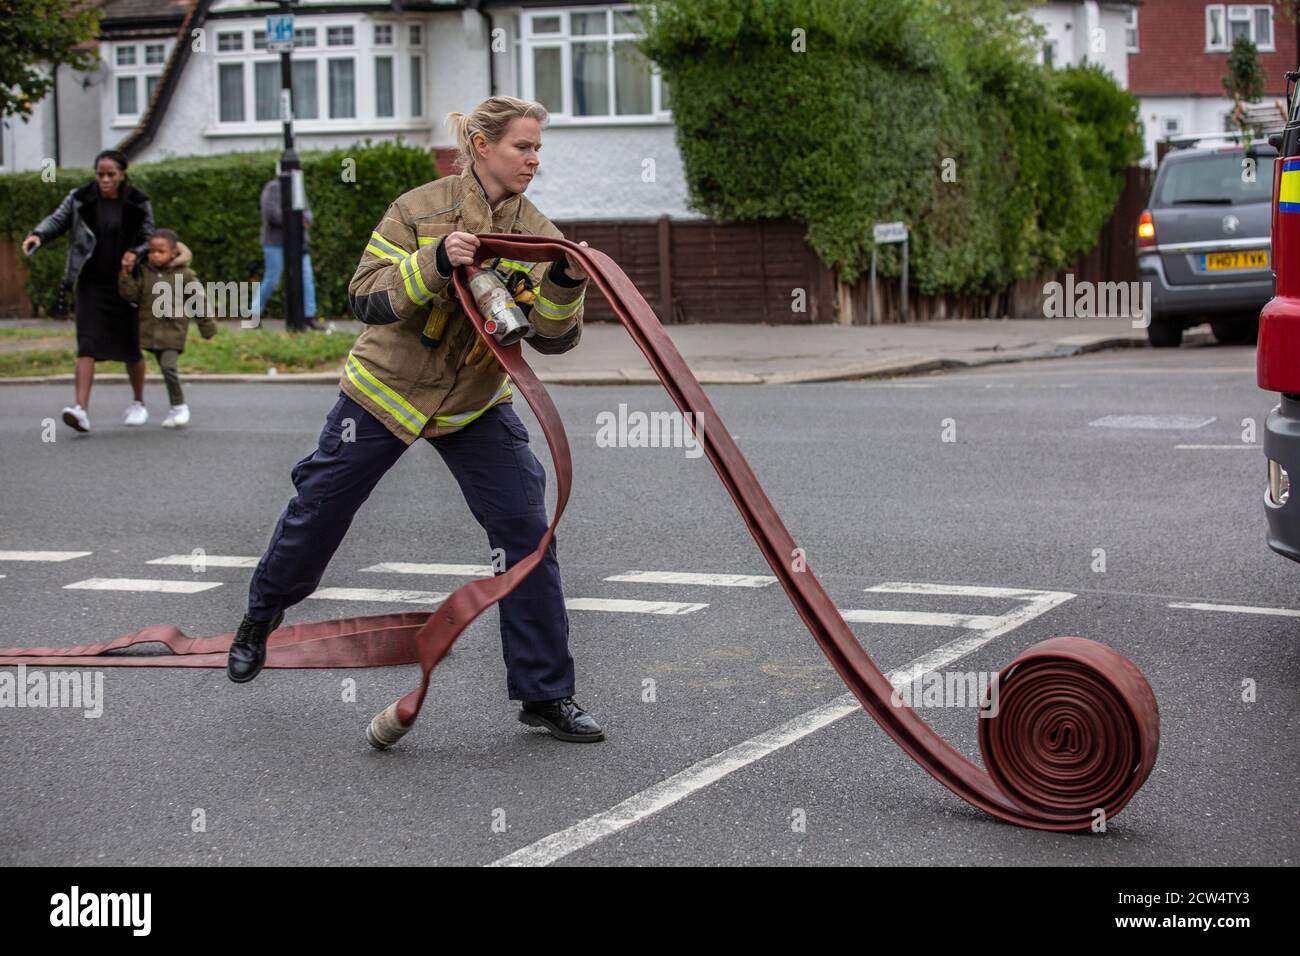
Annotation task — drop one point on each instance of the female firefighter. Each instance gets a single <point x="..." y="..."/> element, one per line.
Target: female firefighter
<point x="419" y="370"/>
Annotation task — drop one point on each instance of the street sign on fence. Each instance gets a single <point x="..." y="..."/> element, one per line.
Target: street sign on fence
<point x="889" y="232"/>
<point x="882" y="233"/>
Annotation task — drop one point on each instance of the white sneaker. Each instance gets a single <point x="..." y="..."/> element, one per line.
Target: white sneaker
<point x="77" y="418"/>
<point x="177" y="417"/>
<point x="136" y="414"/>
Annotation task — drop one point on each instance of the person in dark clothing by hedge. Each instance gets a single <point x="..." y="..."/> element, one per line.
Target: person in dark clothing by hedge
<point x="273" y="255"/>
<point x="109" y="222"/>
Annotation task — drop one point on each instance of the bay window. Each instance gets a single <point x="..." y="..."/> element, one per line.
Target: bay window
<point x="345" y="74"/>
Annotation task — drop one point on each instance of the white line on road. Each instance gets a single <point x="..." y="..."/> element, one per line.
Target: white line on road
<point x="406" y="567"/>
<point x="1226" y="447"/>
<point x="391" y="596"/>
<point x="208" y="560"/>
<point x="142" y="584"/>
<point x="978" y="622"/>
<point x="710" y="770"/>
<point x="42" y="555"/>
<point x="387" y="595"/>
<point x="957" y="590"/>
<point x="1151" y="421"/>
<point x="1236" y="609"/>
<point x="686" y="577"/>
<point x="632" y="607"/>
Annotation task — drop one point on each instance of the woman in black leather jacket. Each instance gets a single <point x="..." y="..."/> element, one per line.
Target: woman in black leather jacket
<point x="109" y="222"/>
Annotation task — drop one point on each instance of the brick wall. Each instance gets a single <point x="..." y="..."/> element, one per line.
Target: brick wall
<point x="1172" y="57"/>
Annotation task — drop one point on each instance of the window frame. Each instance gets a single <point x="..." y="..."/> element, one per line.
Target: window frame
<point x="1131" y="23"/>
<point x="1247" y="13"/>
<point x="527" y="42"/>
<point x="363" y="53"/>
<point x="139" y="72"/>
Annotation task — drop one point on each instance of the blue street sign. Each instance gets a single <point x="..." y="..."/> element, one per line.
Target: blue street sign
<point x="279" y="32"/>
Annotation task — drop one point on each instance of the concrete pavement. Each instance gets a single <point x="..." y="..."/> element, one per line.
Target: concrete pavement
<point x="725" y="354"/>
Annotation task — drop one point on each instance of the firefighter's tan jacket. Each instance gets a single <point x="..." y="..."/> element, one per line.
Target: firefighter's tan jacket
<point x="420" y="391"/>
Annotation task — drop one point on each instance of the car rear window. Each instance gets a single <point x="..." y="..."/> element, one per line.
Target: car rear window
<point x="1216" y="179"/>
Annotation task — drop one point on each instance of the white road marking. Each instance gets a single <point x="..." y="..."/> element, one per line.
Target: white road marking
<point x="393" y="596"/>
<point x="1151" y="421"/>
<point x="459" y="570"/>
<point x="42" y="555"/>
<point x="686" y="577"/>
<point x="208" y="560"/>
<point x="1228" y="447"/>
<point x="1235" y="609"/>
<point x="387" y="595"/>
<point x="978" y="622"/>
<point x="710" y="770"/>
<point x="960" y="590"/>
<point x="142" y="584"/>
<point x="632" y="607"/>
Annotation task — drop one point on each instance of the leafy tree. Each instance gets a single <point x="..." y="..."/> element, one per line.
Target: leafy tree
<point x="39" y="32"/>
<point x="1244" y="81"/>
<point x="841" y="113"/>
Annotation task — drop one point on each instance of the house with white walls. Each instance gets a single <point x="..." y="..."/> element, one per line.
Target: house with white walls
<point x="196" y="77"/>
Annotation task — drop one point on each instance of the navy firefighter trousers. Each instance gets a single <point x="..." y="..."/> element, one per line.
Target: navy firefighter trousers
<point x="505" y="488"/>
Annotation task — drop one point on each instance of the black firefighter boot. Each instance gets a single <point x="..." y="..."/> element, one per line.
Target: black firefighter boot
<point x="248" y="650"/>
<point x="563" y="718"/>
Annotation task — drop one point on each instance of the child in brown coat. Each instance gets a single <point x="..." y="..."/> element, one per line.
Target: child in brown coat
<point x="168" y="295"/>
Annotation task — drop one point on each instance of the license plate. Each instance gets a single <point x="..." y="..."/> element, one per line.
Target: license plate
<point x="1250" y="259"/>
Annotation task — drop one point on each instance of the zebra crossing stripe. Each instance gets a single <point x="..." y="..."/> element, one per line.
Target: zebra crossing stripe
<point x="685" y="577"/>
<point x="142" y="584"/>
<point x="632" y="607"/>
<point x="976" y="622"/>
<point x="208" y="560"/>
<point x="459" y="570"/>
<point x="386" y="595"/>
<point x="42" y="555"/>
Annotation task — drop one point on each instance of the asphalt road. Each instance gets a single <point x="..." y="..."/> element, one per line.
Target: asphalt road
<point x="278" y="771"/>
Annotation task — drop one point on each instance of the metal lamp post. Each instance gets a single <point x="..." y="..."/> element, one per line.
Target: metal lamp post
<point x="293" y="194"/>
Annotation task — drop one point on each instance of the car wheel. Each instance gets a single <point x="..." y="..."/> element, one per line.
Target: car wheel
<point x="1243" y="332"/>
<point x="1164" y="333"/>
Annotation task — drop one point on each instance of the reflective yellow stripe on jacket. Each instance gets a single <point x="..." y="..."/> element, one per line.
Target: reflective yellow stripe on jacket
<point x="504" y="391"/>
<point x="406" y="413"/>
<point x="555" y="311"/>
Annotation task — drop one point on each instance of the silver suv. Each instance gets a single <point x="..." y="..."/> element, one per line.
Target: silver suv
<point x="1203" y="242"/>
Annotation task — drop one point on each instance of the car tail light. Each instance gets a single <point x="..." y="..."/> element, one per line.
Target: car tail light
<point x="1279" y="484"/>
<point x="1146" y="231"/>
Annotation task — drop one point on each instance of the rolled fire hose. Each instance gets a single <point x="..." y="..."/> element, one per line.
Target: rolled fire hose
<point x="1077" y="727"/>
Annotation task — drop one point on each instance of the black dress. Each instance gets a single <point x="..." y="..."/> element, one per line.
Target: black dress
<point x="108" y="328"/>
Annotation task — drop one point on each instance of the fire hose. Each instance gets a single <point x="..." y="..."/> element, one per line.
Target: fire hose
<point x="1077" y="726"/>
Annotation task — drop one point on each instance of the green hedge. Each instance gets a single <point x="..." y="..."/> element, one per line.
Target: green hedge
<point x="856" y="130"/>
<point x="212" y="202"/>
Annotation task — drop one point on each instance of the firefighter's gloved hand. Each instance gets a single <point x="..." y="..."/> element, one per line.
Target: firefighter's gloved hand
<point x="516" y="284"/>
<point x="480" y="357"/>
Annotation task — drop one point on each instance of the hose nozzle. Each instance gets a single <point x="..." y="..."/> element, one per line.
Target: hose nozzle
<point x="386" y="729"/>
<point x="502" y="317"/>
